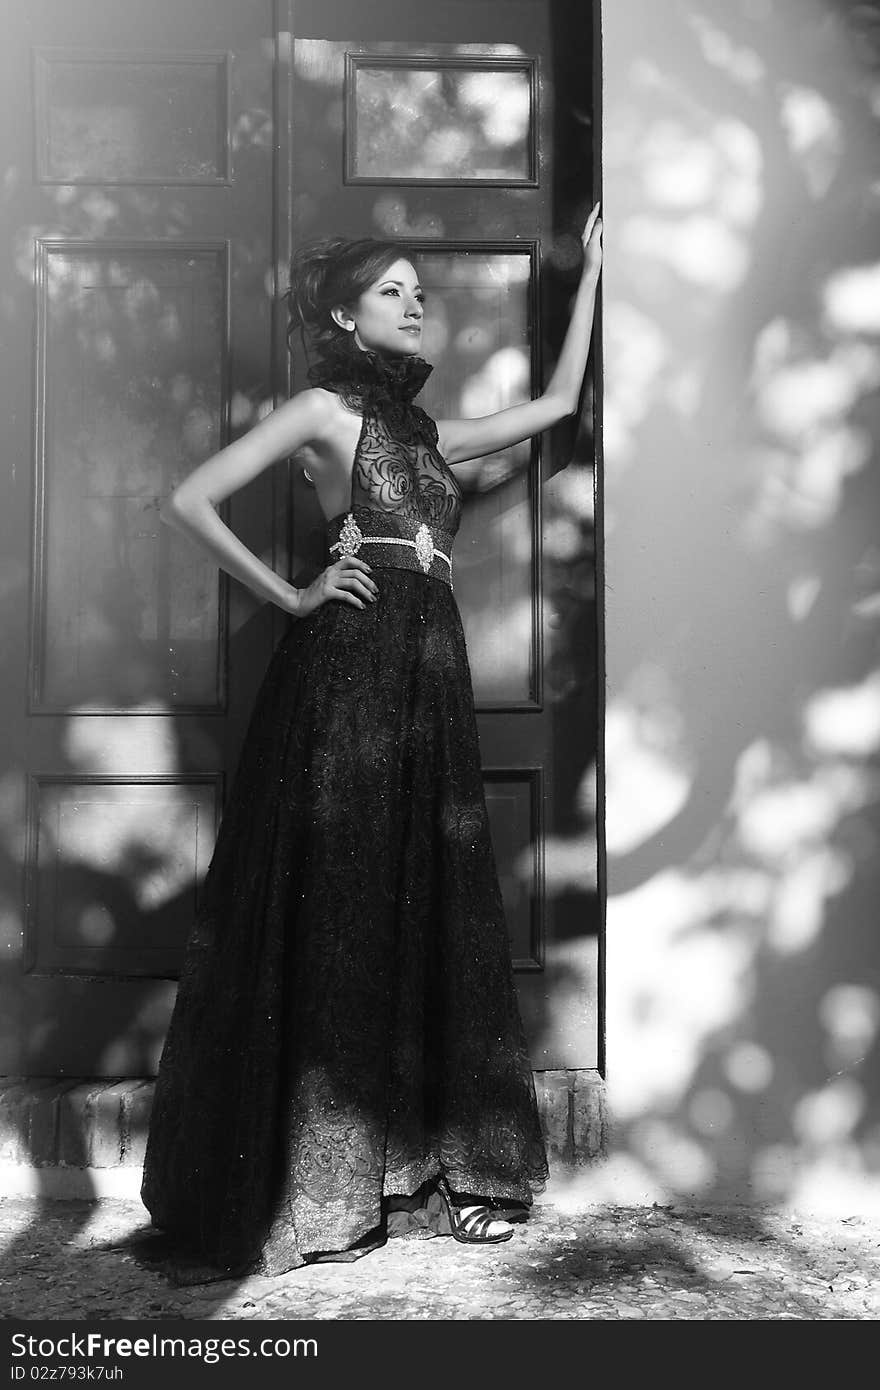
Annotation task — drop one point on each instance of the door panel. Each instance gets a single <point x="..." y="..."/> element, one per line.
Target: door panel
<point x="130" y="367"/>
<point x="83" y="830"/>
<point x="139" y="170"/>
<point x="129" y="117"/>
<point x="452" y="119"/>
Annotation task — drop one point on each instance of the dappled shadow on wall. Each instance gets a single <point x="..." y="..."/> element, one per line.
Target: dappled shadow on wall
<point x="741" y="420"/>
<point x="742" y="823"/>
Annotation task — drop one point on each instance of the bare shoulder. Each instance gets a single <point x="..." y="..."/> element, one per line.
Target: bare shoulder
<point x="307" y="418"/>
<point x="313" y="405"/>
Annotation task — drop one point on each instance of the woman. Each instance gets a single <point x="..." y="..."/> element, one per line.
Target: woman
<point x="346" y="1036"/>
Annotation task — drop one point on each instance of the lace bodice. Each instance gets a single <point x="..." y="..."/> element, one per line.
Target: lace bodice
<point x="407" y="477"/>
<point x="398" y="468"/>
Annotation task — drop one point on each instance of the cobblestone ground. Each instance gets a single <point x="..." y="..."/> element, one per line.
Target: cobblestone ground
<point x="71" y="1260"/>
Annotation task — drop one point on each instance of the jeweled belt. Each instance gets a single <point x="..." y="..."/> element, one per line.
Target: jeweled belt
<point x="393" y="541"/>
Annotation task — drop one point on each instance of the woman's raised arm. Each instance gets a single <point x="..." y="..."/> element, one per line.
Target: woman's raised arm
<point x="469" y="439"/>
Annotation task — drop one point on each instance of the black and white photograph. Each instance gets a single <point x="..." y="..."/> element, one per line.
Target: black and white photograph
<point x="440" y="737"/>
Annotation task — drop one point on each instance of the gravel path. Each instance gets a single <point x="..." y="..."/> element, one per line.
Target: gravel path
<point x="75" y="1260"/>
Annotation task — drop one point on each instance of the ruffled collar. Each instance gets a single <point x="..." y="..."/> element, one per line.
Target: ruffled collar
<point x="368" y="381"/>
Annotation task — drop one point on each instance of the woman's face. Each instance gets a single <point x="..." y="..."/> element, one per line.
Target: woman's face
<point x="388" y="316"/>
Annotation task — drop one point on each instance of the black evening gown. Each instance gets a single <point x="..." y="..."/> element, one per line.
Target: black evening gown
<point x="346" y="1025"/>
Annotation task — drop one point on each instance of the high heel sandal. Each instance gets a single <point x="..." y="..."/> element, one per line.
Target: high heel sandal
<point x="471" y="1229"/>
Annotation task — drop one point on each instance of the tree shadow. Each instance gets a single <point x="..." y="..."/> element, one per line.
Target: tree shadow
<point x="741" y="655"/>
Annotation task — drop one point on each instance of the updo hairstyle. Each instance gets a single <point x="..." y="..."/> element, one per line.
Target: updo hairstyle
<point x="331" y="271"/>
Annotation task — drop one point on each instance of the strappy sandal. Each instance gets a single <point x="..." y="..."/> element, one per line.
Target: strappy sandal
<point x="473" y="1228"/>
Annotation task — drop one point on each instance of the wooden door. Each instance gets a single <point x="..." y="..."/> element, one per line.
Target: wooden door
<point x="137" y="308"/>
<point x="159" y="164"/>
<point x="465" y="131"/>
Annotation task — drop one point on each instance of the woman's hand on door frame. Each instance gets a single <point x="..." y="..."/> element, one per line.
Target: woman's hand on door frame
<point x="591" y="240"/>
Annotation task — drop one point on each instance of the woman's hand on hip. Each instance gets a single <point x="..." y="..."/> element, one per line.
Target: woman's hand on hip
<point x="345" y="581"/>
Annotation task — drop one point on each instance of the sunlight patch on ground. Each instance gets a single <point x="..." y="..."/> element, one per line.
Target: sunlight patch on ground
<point x="620" y="1178"/>
<point x="681" y="1162"/>
<point x="835" y="1185"/>
<point x="826" y="1169"/>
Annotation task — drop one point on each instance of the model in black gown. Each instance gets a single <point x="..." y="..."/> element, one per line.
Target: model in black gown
<point x="346" y="1025"/>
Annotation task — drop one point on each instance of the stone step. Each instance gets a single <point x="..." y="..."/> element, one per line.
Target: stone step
<point x="98" y="1127"/>
<point x="74" y="1122"/>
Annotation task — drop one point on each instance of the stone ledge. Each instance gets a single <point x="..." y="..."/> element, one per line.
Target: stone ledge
<point x="571" y="1105"/>
<point x="74" y="1122"/>
<point x="99" y="1127"/>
